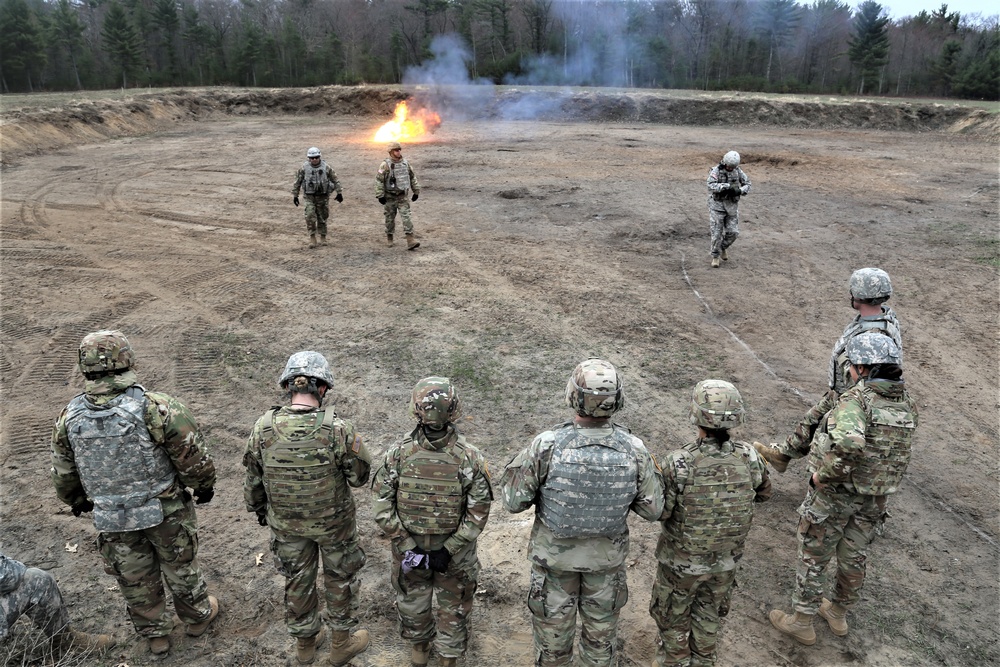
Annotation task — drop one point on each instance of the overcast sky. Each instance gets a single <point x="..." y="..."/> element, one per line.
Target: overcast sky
<point x="897" y="9"/>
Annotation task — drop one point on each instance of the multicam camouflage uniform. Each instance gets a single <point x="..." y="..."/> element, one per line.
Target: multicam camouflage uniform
<point x="85" y="456"/>
<point x="300" y="464"/>
<point x="585" y="572"/>
<point x="709" y="490"/>
<point x="28" y="590"/>
<point x="317" y="183"/>
<point x="393" y="181"/>
<point x="724" y="205"/>
<point x="434" y="494"/>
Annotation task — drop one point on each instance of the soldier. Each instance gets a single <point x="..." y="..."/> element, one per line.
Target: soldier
<point x="726" y="184"/>
<point x="300" y="461"/>
<point x="127" y="454"/>
<point x="710" y="487"/>
<point x="317" y="179"/>
<point x="583" y="478"/>
<point x="395" y="177"/>
<point x="869" y="289"/>
<point x="858" y="458"/>
<point x="28" y="590"/>
<point x="432" y="499"/>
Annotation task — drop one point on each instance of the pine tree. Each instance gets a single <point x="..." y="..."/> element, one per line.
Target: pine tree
<point x="121" y="41"/>
<point x="23" y="50"/>
<point x="869" y="48"/>
<point x="67" y="32"/>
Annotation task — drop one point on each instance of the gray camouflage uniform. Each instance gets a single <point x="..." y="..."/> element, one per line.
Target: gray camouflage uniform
<point x="28" y="590"/>
<point x="723" y="207"/>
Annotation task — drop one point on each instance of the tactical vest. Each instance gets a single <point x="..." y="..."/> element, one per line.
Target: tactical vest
<point x="715" y="507"/>
<point x="305" y="489"/>
<point x="841" y="380"/>
<point x="122" y="469"/>
<point x="731" y="177"/>
<point x="315" y="181"/>
<point x="430" y="500"/>
<point x="591" y="483"/>
<point x="397" y="178"/>
<point x="888" y="438"/>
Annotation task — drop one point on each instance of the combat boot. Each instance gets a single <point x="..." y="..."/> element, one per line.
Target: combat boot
<point x="389" y="241"/>
<point x="770" y="454"/>
<point x="305" y="647"/>
<point x="312" y="240"/>
<point x="75" y="640"/>
<point x="411" y="243"/>
<point x="159" y="645"/>
<point x="836" y="616"/>
<point x="449" y="662"/>
<point x="420" y="654"/>
<point x="322" y="239"/>
<point x="724" y="255"/>
<point x="343" y="646"/>
<point x="798" y="626"/>
<point x="715" y="262"/>
<point x="198" y="629"/>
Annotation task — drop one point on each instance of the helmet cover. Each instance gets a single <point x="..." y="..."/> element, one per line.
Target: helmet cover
<point x="871" y="349"/>
<point x="731" y="159"/>
<point x="717" y="404"/>
<point x="308" y="363"/>
<point x="435" y="403"/>
<point x="313" y="152"/>
<point x="870" y="284"/>
<point x="106" y="351"/>
<point x="595" y="389"/>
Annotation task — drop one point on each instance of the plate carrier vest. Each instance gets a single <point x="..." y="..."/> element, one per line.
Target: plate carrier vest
<point x="430" y="499"/>
<point x="397" y="177"/>
<point x="315" y="181"/>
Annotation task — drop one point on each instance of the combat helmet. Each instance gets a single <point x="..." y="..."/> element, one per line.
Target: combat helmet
<point x="731" y="159"/>
<point x="595" y="389"/>
<point x="310" y="364"/>
<point x="394" y="145"/>
<point x="435" y="402"/>
<point x="313" y="152"/>
<point x="105" y="352"/>
<point x="717" y="404"/>
<point x="870" y="285"/>
<point x="872" y="349"/>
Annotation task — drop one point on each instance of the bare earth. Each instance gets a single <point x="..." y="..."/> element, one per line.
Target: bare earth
<point x="543" y="242"/>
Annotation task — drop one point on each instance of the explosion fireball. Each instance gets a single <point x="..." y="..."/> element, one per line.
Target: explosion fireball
<point x="407" y="125"/>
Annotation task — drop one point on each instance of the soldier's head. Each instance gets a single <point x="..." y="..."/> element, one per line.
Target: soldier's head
<point x="595" y="389"/>
<point x="434" y="403"/>
<point x="869" y="286"/>
<point x="874" y="355"/>
<point x="717" y="406"/>
<point x="395" y="150"/>
<point x="307" y="372"/>
<point x="731" y="160"/>
<point x="103" y="353"/>
<point x="313" y="155"/>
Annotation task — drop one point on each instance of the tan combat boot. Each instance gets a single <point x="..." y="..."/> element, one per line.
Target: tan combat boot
<point x="449" y="662"/>
<point x="305" y="647"/>
<point x="411" y="243"/>
<point x="389" y="241"/>
<point x="420" y="654"/>
<point x="836" y="616"/>
<point x="159" y="645"/>
<point x="322" y="239"/>
<point x="312" y="240"/>
<point x="770" y="454"/>
<point x="74" y="640"/>
<point x="724" y="255"/>
<point x="198" y="629"/>
<point x="715" y="262"/>
<point x="343" y="646"/>
<point x="798" y="626"/>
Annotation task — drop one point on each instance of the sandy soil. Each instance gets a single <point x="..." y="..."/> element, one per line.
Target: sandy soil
<point x="543" y="242"/>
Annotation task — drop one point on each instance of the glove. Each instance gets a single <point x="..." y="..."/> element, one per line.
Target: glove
<point x="295" y="200"/>
<point x="439" y="559"/>
<point x="262" y="518"/>
<point x="414" y="560"/>
<point x="202" y="496"/>
<point x="82" y="507"/>
<point x="381" y="200"/>
<point x="723" y="187"/>
<point x="414" y="197"/>
<point x="339" y="197"/>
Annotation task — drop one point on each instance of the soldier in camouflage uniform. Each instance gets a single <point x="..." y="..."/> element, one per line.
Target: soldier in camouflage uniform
<point x="869" y="289"/>
<point x="432" y="499"/>
<point x="394" y="179"/>
<point x="710" y="487"/>
<point x="858" y="457"/>
<point x="583" y="477"/>
<point x="317" y="179"/>
<point x="726" y="184"/>
<point x="28" y="590"/>
<point x="301" y="461"/>
<point x="127" y="454"/>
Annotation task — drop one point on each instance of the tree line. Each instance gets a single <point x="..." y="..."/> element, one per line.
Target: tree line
<point x="752" y="45"/>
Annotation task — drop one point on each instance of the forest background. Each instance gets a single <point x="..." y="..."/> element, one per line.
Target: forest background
<point x="768" y="45"/>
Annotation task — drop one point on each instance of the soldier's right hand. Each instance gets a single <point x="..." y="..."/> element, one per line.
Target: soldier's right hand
<point x="262" y="518"/>
<point x="82" y="507"/>
<point x="295" y="200"/>
<point x="381" y="200"/>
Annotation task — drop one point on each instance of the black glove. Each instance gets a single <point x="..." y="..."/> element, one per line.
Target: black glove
<point x="381" y="200"/>
<point x="439" y="559"/>
<point x="414" y="197"/>
<point x="82" y="507"/>
<point x="295" y="200"/>
<point x="202" y="496"/>
<point x="734" y="190"/>
<point x="339" y="197"/>
<point x="262" y="518"/>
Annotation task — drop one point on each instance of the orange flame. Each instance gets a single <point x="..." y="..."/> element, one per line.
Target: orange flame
<point x="406" y="126"/>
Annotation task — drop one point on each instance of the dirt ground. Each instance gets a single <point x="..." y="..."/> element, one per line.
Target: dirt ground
<point x="543" y="242"/>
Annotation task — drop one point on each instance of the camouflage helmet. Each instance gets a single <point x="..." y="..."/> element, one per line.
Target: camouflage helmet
<point x="731" y="159"/>
<point x="104" y="352"/>
<point x="435" y="402"/>
<point x="307" y="363"/>
<point x="595" y="389"/>
<point x="394" y="145"/>
<point x="871" y="349"/>
<point x="717" y="404"/>
<point x="870" y="284"/>
<point x="313" y="152"/>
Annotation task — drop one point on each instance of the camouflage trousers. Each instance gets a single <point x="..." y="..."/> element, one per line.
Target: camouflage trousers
<point x="799" y="443"/>
<point x="455" y="588"/>
<point x="297" y="559"/>
<point x="686" y="609"/>
<point x="37" y="595"/>
<point x="725" y="228"/>
<point x="834" y="522"/>
<point x="317" y="213"/>
<point x="399" y="203"/>
<point x="140" y="560"/>
<point x="553" y="599"/>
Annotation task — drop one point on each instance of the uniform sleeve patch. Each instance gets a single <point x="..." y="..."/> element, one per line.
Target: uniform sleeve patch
<point x="356" y="447"/>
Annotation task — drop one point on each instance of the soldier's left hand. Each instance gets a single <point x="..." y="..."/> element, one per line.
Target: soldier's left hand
<point x="439" y="559"/>
<point x="82" y="507"/>
<point x="295" y="200"/>
<point x="339" y="197"/>
<point x="414" y="197"/>
<point x="202" y="496"/>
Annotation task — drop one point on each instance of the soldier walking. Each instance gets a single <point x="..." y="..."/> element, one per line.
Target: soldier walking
<point x="394" y="180"/>
<point x="300" y="461"/>
<point x="432" y="499"/>
<point x="317" y="179"/>
<point x="127" y="454"/>
<point x="710" y="487"/>
<point x="583" y="477"/>
<point x="726" y="184"/>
